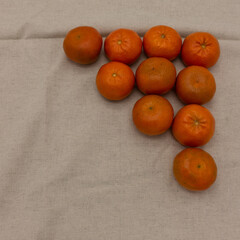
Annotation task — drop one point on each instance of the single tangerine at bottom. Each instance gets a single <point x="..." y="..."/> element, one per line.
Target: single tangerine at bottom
<point x="194" y="169"/>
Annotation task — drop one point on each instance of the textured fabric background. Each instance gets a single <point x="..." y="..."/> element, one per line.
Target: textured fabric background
<point x="72" y="164"/>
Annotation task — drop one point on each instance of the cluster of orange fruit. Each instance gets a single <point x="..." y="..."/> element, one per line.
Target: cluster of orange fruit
<point x="193" y="125"/>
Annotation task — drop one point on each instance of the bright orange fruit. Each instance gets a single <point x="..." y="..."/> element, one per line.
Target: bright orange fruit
<point x="123" y="45"/>
<point x="194" y="169"/>
<point x="83" y="45"/>
<point x="152" y="115"/>
<point x="193" y="125"/>
<point x="201" y="49"/>
<point x="115" y="80"/>
<point x="162" y="41"/>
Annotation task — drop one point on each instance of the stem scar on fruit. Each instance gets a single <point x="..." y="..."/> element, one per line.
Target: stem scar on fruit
<point x="196" y="122"/>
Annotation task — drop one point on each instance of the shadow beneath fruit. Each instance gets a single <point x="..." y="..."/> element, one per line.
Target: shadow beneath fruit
<point x="202" y="192"/>
<point x="136" y="64"/>
<point x="102" y="59"/>
<point x="117" y="102"/>
<point x="153" y="138"/>
<point x="105" y="57"/>
<point x="83" y="66"/>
